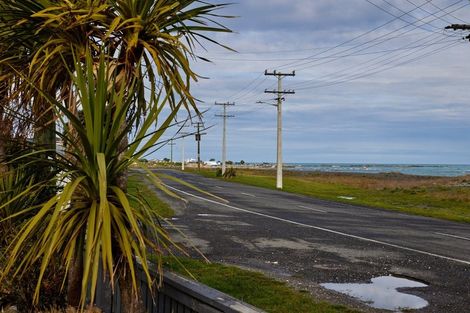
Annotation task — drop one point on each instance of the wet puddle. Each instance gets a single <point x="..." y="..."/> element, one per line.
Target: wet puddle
<point x="382" y="293"/>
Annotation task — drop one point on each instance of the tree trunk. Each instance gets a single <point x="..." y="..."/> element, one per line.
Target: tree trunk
<point x="3" y="134"/>
<point x="131" y="300"/>
<point x="74" y="280"/>
<point x="3" y="166"/>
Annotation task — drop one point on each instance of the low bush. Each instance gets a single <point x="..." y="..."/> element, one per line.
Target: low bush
<point x="229" y="173"/>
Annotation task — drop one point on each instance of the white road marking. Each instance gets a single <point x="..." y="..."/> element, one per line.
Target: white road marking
<point x="453" y="236"/>
<point x="248" y="194"/>
<point x="218" y="187"/>
<point x="213" y="215"/>
<point x="312" y="209"/>
<point x="325" y="229"/>
<point x="346" y="198"/>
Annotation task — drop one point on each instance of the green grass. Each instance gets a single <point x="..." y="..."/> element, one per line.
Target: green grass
<point x="443" y="198"/>
<point x="138" y="185"/>
<point x="253" y="287"/>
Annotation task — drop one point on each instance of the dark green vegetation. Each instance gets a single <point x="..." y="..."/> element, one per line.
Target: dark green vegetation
<point x="439" y="197"/>
<point x="253" y="287"/>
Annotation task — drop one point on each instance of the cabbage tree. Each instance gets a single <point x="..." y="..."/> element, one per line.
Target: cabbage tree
<point x="98" y="57"/>
<point x="91" y="215"/>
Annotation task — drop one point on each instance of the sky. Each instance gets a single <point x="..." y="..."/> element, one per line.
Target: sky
<point x="377" y="81"/>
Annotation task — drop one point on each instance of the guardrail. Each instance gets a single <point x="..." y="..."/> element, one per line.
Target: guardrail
<point x="177" y="295"/>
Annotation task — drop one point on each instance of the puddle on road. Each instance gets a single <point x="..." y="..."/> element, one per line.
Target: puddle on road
<point x="382" y="293"/>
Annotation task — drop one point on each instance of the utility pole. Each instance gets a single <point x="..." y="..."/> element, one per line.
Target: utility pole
<point x="279" y="92"/>
<point x="198" y="139"/>
<point x="183" y="135"/>
<point x="171" y="143"/>
<point x="224" y="137"/>
<point x="182" y="150"/>
<point x="460" y="27"/>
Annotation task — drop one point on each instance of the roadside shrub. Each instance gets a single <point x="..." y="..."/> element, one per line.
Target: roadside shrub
<point x="230" y="173"/>
<point x="18" y="291"/>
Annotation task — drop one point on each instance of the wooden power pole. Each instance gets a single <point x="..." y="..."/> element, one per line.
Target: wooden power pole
<point x="279" y="92"/>
<point x="198" y="140"/>
<point x="224" y="135"/>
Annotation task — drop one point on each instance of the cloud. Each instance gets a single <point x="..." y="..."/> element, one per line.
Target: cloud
<point x="406" y="112"/>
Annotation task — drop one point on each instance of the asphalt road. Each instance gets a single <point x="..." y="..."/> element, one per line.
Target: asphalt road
<point x="307" y="241"/>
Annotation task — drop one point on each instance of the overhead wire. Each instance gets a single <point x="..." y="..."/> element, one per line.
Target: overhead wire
<point x="360" y="53"/>
<point x="431" y="13"/>
<point x="248" y="92"/>
<point x="448" y="14"/>
<point x="374" y="42"/>
<point x="242" y="94"/>
<point x="346" y="42"/>
<point x="249" y="89"/>
<point x="382" y="58"/>
<point x="303" y="83"/>
<point x="379" y="70"/>
<point x="406" y="14"/>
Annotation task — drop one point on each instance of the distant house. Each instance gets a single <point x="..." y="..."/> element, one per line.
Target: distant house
<point x="212" y="163"/>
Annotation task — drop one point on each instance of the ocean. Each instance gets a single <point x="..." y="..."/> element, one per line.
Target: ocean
<point x="410" y="169"/>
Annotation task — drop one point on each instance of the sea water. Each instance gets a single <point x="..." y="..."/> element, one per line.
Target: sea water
<point x="409" y="169"/>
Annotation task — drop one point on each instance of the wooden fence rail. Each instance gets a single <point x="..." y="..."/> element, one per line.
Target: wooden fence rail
<point x="177" y="295"/>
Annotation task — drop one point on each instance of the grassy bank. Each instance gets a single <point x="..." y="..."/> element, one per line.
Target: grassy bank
<point x="254" y="288"/>
<point x="439" y="197"/>
<point x="251" y="287"/>
<point x="139" y="186"/>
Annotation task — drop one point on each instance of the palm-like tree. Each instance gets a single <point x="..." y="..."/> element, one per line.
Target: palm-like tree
<point x="98" y="56"/>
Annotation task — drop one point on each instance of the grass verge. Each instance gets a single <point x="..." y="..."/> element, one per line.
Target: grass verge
<point x="140" y="187"/>
<point x="438" y="197"/>
<point x="253" y="288"/>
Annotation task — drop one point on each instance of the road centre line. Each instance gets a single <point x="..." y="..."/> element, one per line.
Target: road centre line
<point x="453" y="236"/>
<point x="323" y="229"/>
<point x="248" y="194"/>
<point x="312" y="209"/>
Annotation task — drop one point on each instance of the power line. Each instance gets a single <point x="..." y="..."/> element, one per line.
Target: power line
<point x="376" y="69"/>
<point x="249" y="90"/>
<point x="246" y="87"/>
<point x="426" y="11"/>
<point x="406" y="14"/>
<point x="383" y="58"/>
<point x="383" y="37"/>
<point x="362" y="75"/>
<point x="448" y="14"/>
<point x="347" y="41"/>
<point x="307" y="58"/>
<point x="359" y="53"/>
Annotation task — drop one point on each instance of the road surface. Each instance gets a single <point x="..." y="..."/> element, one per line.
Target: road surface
<point x="307" y="241"/>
